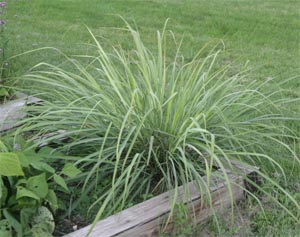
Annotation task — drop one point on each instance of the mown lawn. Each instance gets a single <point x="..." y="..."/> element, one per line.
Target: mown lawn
<point x="266" y="33"/>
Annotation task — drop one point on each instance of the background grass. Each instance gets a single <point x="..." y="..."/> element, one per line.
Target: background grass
<point x="264" y="32"/>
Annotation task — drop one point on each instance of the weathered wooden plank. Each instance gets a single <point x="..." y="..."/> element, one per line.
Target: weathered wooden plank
<point x="144" y="219"/>
<point x="198" y="212"/>
<point x="12" y="111"/>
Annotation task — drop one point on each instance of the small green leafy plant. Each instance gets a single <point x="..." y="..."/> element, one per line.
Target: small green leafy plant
<point x="27" y="197"/>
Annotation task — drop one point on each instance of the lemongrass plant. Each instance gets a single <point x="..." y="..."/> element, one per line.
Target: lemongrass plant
<point x="148" y="124"/>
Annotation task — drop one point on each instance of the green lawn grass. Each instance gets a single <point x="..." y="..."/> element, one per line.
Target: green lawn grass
<point x="264" y="32"/>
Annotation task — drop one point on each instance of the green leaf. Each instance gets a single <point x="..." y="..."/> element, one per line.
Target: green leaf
<point x="70" y="170"/>
<point x="25" y="162"/>
<point x="3" y="193"/>
<point x="11" y="200"/>
<point x="23" y="192"/>
<point x="38" y="185"/>
<point x="38" y="231"/>
<point x="21" y="143"/>
<point x="47" y="168"/>
<point x="29" y="158"/>
<point x="27" y="202"/>
<point x="10" y="165"/>
<point x="61" y="182"/>
<point x="3" y="148"/>
<point x="3" y="92"/>
<point x="43" y="220"/>
<point x="21" y="182"/>
<point x="13" y="222"/>
<point x="43" y="167"/>
<point x="45" y="151"/>
<point x="52" y="200"/>
<point x="26" y="215"/>
<point x="5" y="229"/>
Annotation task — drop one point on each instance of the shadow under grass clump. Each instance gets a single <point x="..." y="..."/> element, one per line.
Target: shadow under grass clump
<point x="149" y="124"/>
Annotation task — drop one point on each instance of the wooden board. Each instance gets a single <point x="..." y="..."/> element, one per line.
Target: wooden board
<point x="12" y="111"/>
<point x="146" y="218"/>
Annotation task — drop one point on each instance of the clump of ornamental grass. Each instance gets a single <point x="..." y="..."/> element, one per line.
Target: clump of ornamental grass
<point x="141" y="123"/>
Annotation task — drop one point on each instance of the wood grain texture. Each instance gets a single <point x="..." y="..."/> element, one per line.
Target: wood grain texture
<point x="146" y="218"/>
<point x="12" y="111"/>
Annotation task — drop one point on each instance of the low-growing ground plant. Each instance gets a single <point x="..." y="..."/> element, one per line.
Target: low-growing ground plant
<point x="28" y="189"/>
<point x="148" y="123"/>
